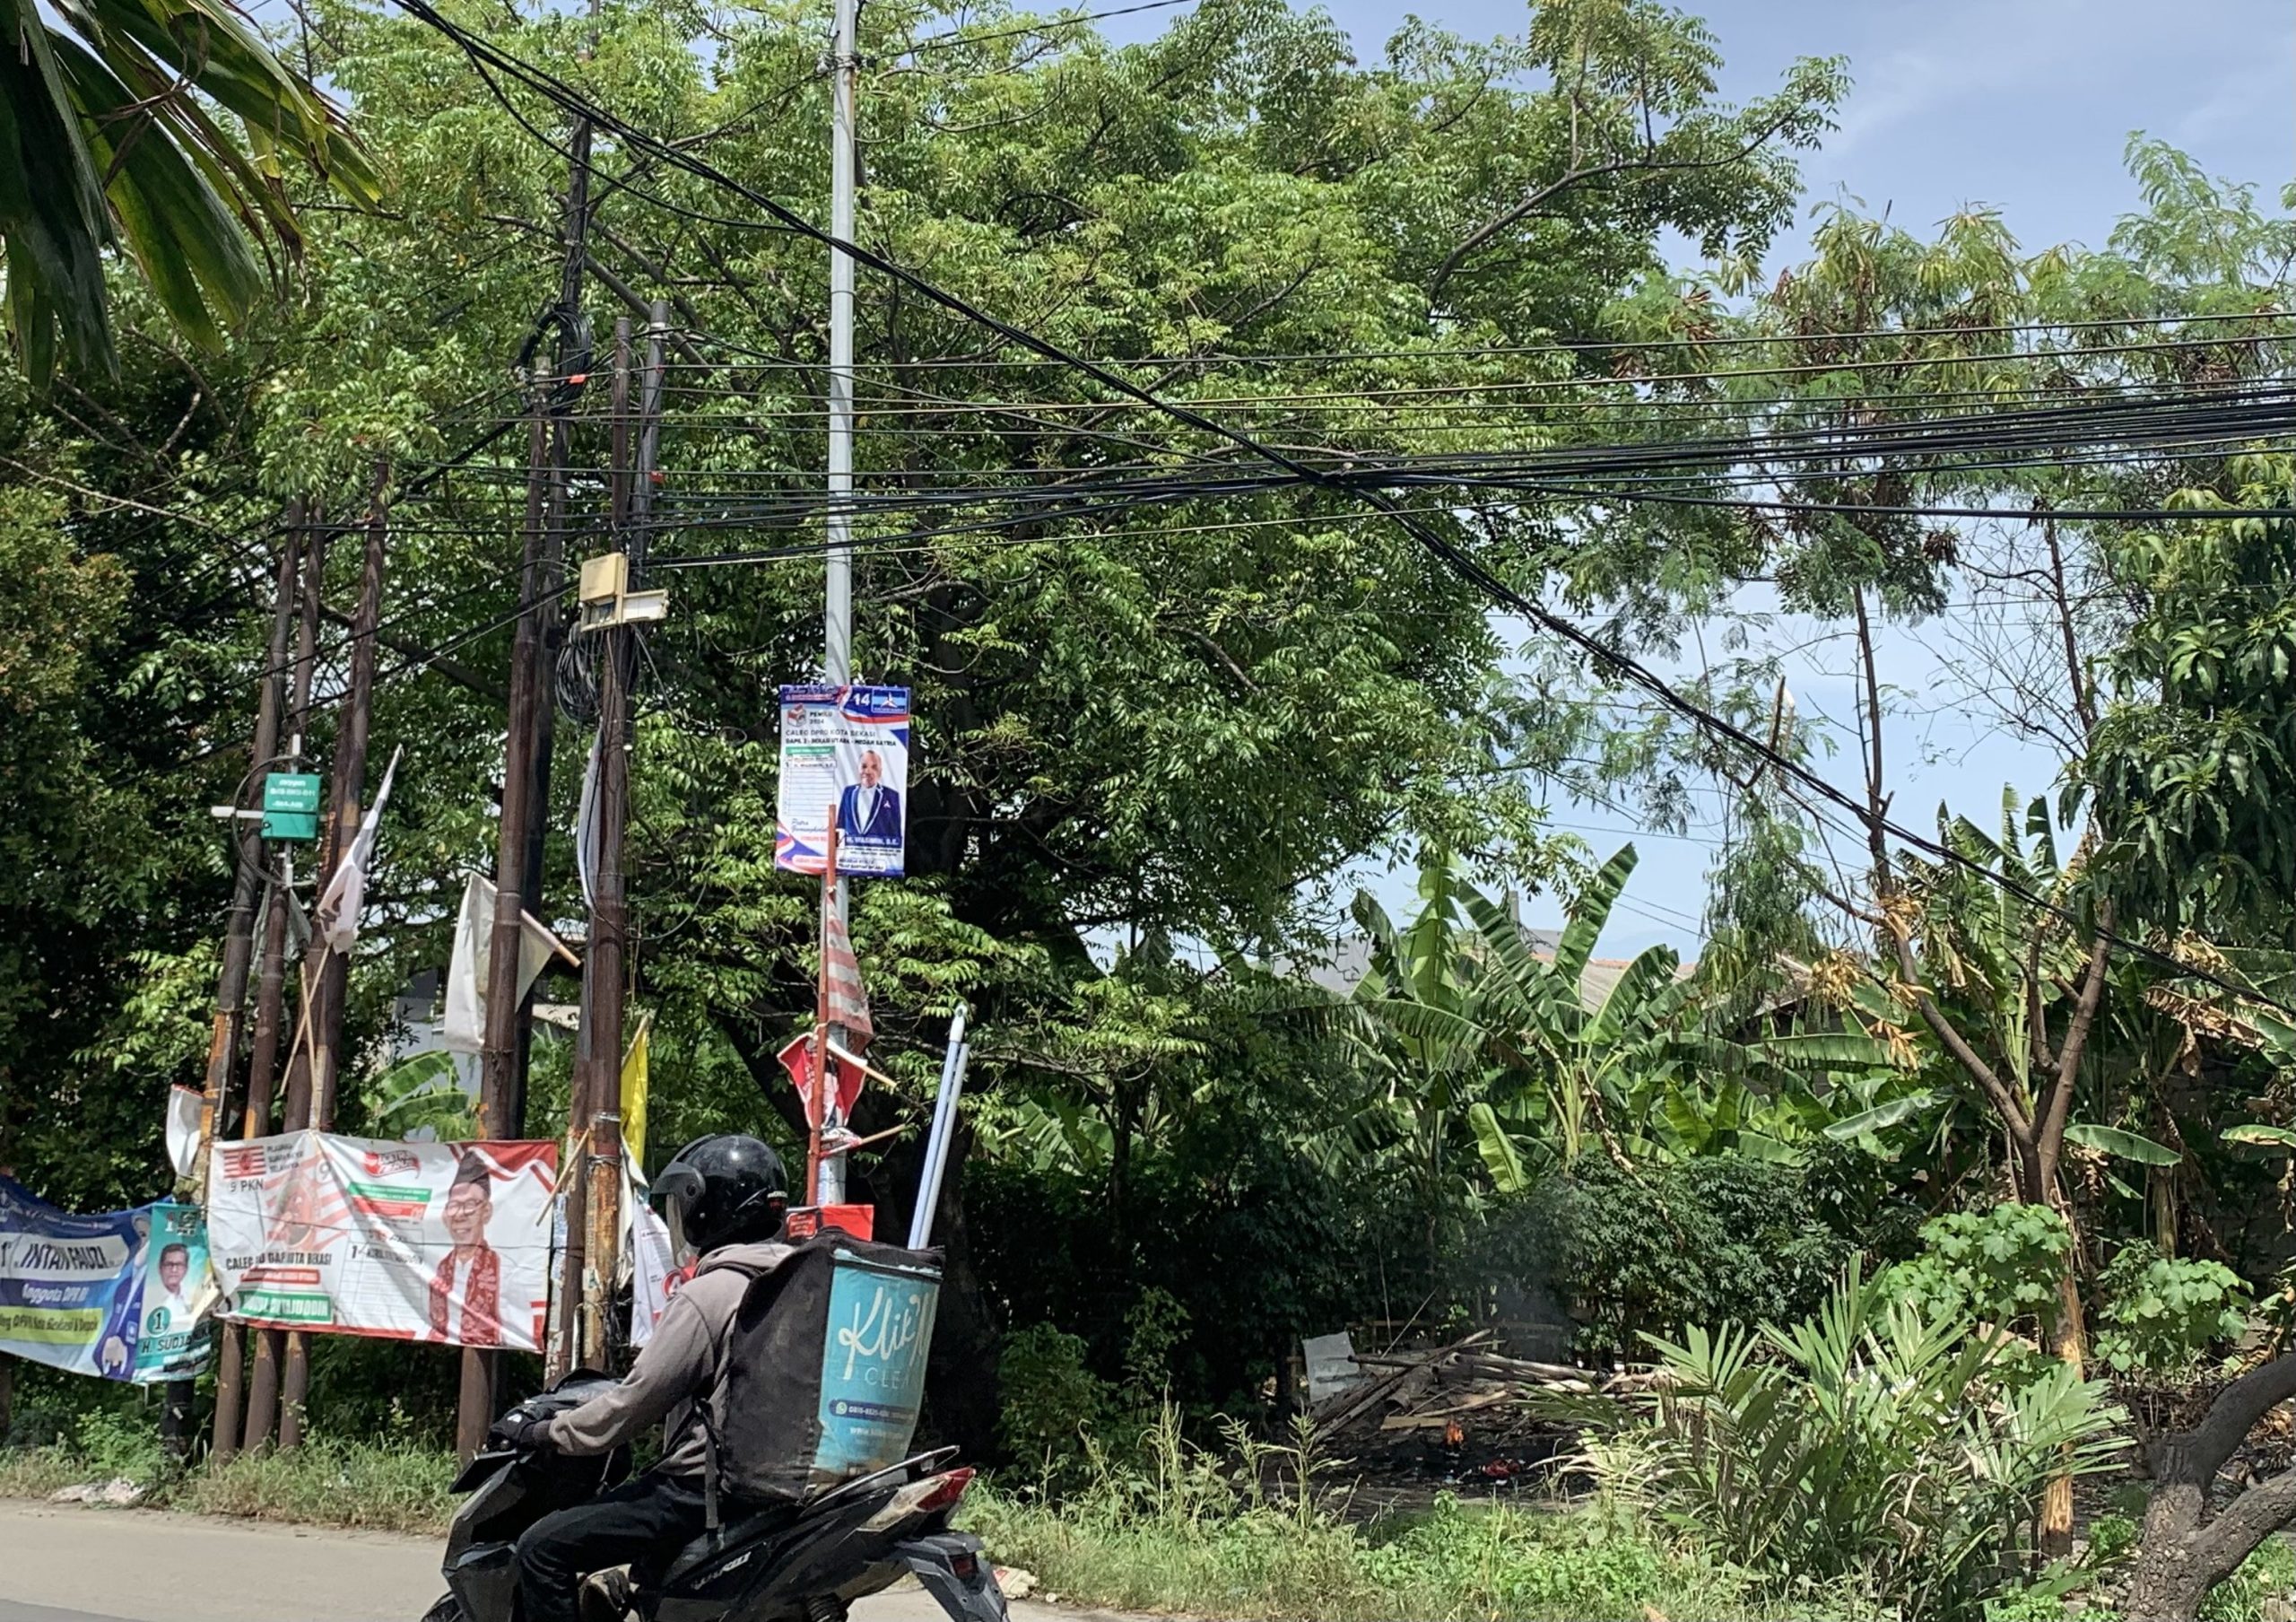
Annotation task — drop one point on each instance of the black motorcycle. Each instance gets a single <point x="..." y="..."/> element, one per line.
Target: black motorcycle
<point x="796" y="1563"/>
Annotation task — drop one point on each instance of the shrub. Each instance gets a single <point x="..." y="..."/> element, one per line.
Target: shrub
<point x="2160" y="1313"/>
<point x="1052" y="1402"/>
<point x="1881" y="1443"/>
<point x="1716" y="1240"/>
<point x="1999" y="1266"/>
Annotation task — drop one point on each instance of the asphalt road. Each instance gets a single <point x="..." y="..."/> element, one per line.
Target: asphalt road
<point x="64" y="1564"/>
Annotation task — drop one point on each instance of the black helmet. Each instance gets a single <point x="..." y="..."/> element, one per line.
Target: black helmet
<point x="722" y="1190"/>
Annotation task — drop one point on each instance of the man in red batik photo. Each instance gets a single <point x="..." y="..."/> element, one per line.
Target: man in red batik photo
<point x="470" y="1314"/>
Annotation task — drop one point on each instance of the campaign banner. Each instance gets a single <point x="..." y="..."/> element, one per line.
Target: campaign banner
<point x="179" y="1294"/>
<point x="440" y="1242"/>
<point x="119" y="1295"/>
<point x="844" y="756"/>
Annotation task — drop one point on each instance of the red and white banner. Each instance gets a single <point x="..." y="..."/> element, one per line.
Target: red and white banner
<point x="442" y="1242"/>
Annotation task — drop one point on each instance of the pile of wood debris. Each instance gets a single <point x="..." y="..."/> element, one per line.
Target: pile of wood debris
<point x="1461" y="1417"/>
<point x="1440" y="1390"/>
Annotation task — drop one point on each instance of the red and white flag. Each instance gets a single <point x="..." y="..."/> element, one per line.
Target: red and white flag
<point x="848" y="999"/>
<point x="796" y="1057"/>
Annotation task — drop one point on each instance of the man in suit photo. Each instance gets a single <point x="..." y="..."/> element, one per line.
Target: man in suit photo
<point x="867" y="813"/>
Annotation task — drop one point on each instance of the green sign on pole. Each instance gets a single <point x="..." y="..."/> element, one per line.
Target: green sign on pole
<point x="290" y="805"/>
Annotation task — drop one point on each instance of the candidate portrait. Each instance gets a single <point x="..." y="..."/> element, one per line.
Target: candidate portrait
<point x="868" y="813"/>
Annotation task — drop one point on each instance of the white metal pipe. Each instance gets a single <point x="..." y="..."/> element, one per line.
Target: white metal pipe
<point x="930" y="1197"/>
<point x="920" y="1220"/>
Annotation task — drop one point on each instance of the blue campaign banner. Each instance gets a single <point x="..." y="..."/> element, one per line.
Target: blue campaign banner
<point x="74" y="1289"/>
<point x="873" y="1364"/>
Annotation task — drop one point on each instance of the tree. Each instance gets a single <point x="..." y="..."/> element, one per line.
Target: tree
<point x="161" y="126"/>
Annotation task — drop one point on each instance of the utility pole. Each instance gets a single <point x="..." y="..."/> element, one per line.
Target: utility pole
<point x="312" y="1069"/>
<point x="597" y="1054"/>
<point x="845" y="74"/>
<point x="520" y="831"/>
<point x="239" y="950"/>
<point x="271" y="984"/>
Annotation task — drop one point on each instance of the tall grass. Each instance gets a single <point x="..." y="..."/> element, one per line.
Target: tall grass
<point x="392" y="1486"/>
<point x="1184" y="1529"/>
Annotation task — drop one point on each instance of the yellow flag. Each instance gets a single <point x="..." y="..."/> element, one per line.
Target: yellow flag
<point x="633" y="1095"/>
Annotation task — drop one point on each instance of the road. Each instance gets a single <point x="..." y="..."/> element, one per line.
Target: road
<point x="64" y="1564"/>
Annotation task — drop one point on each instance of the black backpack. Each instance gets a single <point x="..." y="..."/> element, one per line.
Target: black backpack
<point x="824" y="1368"/>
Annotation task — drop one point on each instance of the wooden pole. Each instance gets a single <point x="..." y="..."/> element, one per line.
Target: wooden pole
<point x="598" y="1045"/>
<point x="517" y="874"/>
<point x="312" y="1072"/>
<point x="239" y="950"/>
<point x="270" y="1346"/>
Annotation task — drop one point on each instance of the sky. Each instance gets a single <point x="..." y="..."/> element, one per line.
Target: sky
<point x="2025" y="106"/>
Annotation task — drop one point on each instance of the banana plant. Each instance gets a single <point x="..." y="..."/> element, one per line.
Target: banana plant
<point x="160" y="127"/>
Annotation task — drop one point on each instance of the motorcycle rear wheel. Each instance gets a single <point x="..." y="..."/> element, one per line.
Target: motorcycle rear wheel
<point x="447" y="1609"/>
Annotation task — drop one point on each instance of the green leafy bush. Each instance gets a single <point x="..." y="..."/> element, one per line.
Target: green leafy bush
<point x="1882" y="1442"/>
<point x="1052" y="1402"/>
<point x="1719" y="1239"/>
<point x="2161" y="1313"/>
<point x="1999" y="1266"/>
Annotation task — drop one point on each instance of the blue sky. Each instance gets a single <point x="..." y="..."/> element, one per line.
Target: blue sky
<point x="2021" y="105"/>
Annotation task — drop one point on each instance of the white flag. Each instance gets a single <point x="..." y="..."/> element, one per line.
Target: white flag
<point x="346" y="890"/>
<point x="462" y="1027"/>
<point x="646" y="1259"/>
<point x="184" y="1104"/>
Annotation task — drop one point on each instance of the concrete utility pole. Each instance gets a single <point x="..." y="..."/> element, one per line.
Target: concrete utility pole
<point x="837" y="665"/>
<point x="239" y="950"/>
<point x="271" y="982"/>
<point x="311" y="1074"/>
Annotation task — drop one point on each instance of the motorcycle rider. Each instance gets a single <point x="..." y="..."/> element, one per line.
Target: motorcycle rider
<point x="725" y="1199"/>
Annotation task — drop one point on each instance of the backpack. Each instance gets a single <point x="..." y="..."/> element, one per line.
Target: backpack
<point x="824" y="1368"/>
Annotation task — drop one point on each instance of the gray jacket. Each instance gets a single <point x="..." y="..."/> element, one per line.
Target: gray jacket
<point x="678" y="1370"/>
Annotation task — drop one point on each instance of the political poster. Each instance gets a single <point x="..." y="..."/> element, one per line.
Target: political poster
<point x="439" y="1241"/>
<point x="82" y="1293"/>
<point x="179" y="1294"/>
<point x="844" y="759"/>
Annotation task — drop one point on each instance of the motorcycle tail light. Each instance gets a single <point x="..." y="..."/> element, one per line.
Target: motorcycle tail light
<point x="966" y="1566"/>
<point x="926" y="1497"/>
<point x="944" y="1491"/>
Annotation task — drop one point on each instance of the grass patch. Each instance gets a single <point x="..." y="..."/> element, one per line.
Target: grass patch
<point x="1184" y="1530"/>
<point x="391" y="1487"/>
<point x="37" y="1472"/>
<point x="394" y="1485"/>
<point x="1461" y="1562"/>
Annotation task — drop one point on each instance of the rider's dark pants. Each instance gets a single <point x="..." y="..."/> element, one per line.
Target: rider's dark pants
<point x="652" y="1516"/>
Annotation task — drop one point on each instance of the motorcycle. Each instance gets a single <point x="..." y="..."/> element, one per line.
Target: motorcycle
<point x="803" y="1562"/>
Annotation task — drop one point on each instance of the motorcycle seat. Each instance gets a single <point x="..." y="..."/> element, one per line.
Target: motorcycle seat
<point x="744" y="1526"/>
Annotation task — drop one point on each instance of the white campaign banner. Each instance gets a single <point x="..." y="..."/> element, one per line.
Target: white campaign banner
<point x="844" y="758"/>
<point x="442" y="1242"/>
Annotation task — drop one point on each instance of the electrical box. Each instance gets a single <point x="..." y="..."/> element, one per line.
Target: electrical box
<point x="607" y="599"/>
<point x="290" y="805"/>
